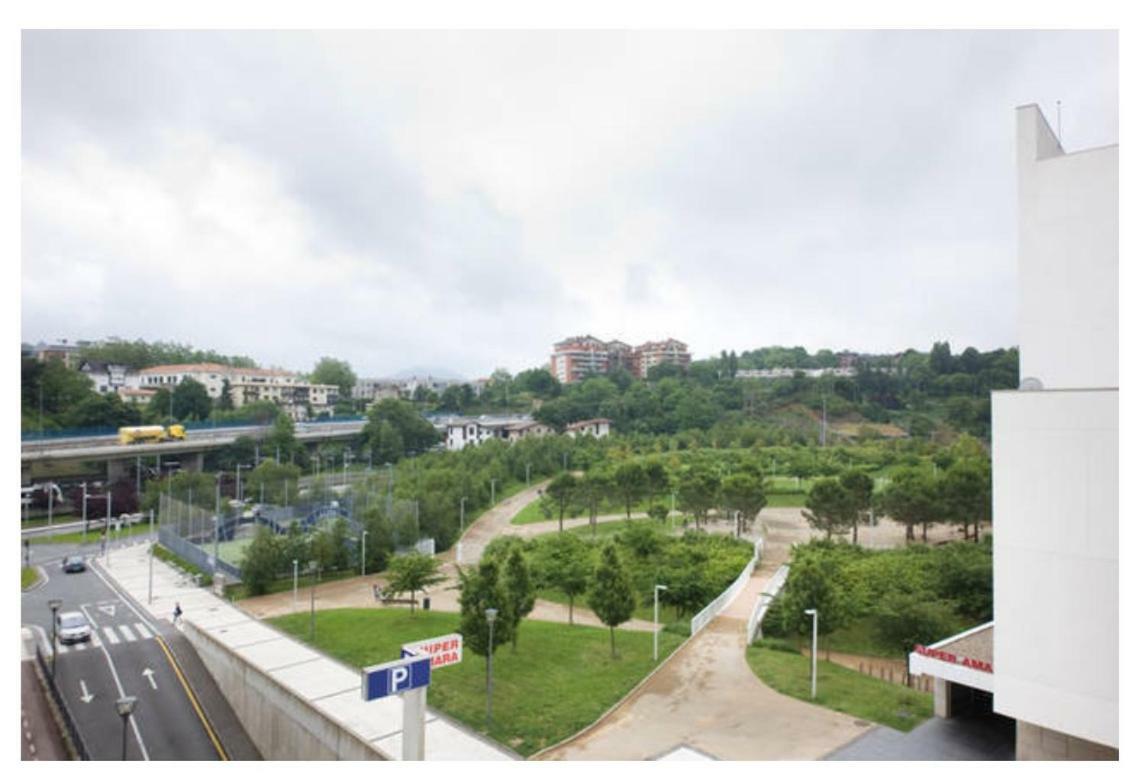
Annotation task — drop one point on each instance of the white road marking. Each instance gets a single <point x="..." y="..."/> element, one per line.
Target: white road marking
<point x="128" y="635"/>
<point x="79" y="646"/>
<point x="110" y="633"/>
<point x="119" y="685"/>
<point x="144" y="632"/>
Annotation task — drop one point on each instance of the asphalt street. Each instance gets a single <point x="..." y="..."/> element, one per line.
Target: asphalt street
<point x="124" y="657"/>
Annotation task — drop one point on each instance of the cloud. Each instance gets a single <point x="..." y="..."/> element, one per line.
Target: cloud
<point x="465" y="199"/>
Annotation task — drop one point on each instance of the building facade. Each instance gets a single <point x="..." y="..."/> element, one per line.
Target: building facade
<point x="574" y="359"/>
<point x="1055" y="442"/>
<point x="1050" y="657"/>
<point x="290" y="391"/>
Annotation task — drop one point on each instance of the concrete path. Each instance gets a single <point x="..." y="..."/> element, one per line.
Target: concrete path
<point x="331" y="687"/>
<point x="708" y="700"/>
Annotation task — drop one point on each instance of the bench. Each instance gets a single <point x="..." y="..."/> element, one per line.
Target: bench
<point x="386" y="596"/>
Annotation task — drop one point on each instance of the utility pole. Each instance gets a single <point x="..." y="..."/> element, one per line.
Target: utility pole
<point x="823" y="424"/>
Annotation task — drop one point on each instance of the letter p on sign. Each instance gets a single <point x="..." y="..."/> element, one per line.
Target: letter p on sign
<point x="384" y="680"/>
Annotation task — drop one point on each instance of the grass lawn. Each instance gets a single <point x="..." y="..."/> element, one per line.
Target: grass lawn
<point x="28" y="576"/>
<point x="533" y="514"/>
<point x="781" y="500"/>
<point x="561" y="678"/>
<point x="238" y="591"/>
<point x="42" y="520"/>
<point x="839" y="688"/>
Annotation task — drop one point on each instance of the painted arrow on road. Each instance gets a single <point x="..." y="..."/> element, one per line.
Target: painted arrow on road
<point x="108" y="609"/>
<point x="86" y="697"/>
<point x="149" y="674"/>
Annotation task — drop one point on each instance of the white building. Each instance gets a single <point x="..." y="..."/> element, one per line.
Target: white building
<point x="289" y="390"/>
<point x="598" y="428"/>
<point x="104" y="377"/>
<point x="460" y="432"/>
<point x="1055" y="439"/>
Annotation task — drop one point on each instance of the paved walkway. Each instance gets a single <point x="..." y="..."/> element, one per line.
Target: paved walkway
<point x="40" y="737"/>
<point x="331" y="687"/>
<point x="708" y="700"/>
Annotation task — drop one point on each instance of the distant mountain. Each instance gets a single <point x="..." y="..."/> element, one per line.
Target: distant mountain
<point x="421" y="371"/>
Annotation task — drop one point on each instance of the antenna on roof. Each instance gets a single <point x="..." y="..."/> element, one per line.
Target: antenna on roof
<point x="1059" y="122"/>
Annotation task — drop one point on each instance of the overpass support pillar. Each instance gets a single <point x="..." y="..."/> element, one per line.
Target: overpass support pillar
<point x="25" y="474"/>
<point x="193" y="462"/>
<point x="119" y="469"/>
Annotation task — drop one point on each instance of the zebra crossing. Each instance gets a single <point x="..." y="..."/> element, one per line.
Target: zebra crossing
<point x="115" y="635"/>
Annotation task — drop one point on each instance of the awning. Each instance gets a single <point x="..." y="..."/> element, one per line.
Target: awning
<point x="966" y="658"/>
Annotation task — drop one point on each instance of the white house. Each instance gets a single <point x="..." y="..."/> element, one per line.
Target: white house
<point x="597" y="428"/>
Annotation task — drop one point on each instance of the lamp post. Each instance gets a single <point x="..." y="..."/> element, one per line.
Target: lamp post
<point x="124" y="706"/>
<point x="218" y="512"/>
<point x="656" y="620"/>
<point x="492" y="492"/>
<point x="364" y="532"/>
<point x="51" y="487"/>
<point x="491" y="619"/>
<point x="239" y="481"/>
<point x="84" y="486"/>
<point x="814" y="646"/>
<point x="107" y="530"/>
<point x="54" y="605"/>
<point x="528" y="467"/>
<point x="294" y="606"/>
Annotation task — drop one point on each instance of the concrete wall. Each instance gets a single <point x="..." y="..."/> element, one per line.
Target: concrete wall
<point x="1039" y="743"/>
<point x="1056" y="560"/>
<point x="1067" y="259"/>
<point x="1055" y="451"/>
<point x="282" y="725"/>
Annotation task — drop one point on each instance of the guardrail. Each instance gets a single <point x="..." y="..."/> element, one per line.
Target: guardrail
<point x="70" y="725"/>
<point x="763" y="603"/>
<point x="705" y="616"/>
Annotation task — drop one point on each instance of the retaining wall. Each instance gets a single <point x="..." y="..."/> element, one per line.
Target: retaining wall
<point x="282" y="725"/>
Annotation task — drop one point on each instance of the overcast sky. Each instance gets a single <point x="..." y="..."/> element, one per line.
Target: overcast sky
<point x="461" y="201"/>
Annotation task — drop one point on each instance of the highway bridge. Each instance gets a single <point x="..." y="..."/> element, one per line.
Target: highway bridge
<point x="60" y="458"/>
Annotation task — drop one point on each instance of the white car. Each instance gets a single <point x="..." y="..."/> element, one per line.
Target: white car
<point x="72" y="627"/>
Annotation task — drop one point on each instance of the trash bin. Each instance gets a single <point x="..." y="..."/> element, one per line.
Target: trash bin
<point x="425" y="603"/>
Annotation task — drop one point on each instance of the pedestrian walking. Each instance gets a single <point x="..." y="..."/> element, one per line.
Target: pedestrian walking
<point x="178" y="614"/>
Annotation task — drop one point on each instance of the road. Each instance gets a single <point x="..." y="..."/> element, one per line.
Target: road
<point x="126" y="656"/>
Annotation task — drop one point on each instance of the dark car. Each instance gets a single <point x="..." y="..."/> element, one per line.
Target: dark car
<point x="74" y="563"/>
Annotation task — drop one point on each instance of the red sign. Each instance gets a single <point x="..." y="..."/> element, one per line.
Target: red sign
<point x="946" y="656"/>
<point x="442" y="651"/>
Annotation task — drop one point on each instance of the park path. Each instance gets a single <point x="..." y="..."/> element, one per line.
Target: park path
<point x="708" y="699"/>
<point x="358" y="591"/>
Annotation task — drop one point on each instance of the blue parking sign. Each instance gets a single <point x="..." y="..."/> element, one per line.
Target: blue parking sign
<point x="384" y="680"/>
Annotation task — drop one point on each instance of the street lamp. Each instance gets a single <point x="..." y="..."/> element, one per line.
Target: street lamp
<point x="656" y="620"/>
<point x="54" y="605"/>
<point x="814" y="645"/>
<point x="124" y="706"/>
<point x="528" y="467"/>
<point x="239" y="481"/>
<point x="294" y="606"/>
<point x="364" y="532"/>
<point x="460" y="530"/>
<point x="491" y="618"/>
<point x="492" y="492"/>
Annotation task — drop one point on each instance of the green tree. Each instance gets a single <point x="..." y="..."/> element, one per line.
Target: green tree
<point x="911" y="499"/>
<point x="191" y="400"/>
<point x="481" y="590"/>
<point x="394" y="427"/>
<point x="828" y="507"/>
<point x="612" y="597"/>
<point x="102" y="411"/>
<point x="745" y="494"/>
<point x="261" y="563"/>
<point x="859" y="488"/>
<point x="520" y="594"/>
<point x="699" y="492"/>
<point x="281" y="442"/>
<point x="630" y="481"/>
<point x="413" y="572"/>
<point x="563" y="564"/>
<point x="337" y="372"/>
<point x="226" y="401"/>
<point x="966" y="494"/>
<point x="595" y="487"/>
<point x="562" y="491"/>
<point x="816" y="582"/>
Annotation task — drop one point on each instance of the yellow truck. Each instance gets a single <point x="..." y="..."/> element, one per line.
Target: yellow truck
<point x="151" y="434"/>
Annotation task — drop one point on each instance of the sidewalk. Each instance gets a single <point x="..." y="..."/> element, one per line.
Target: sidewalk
<point x="40" y="737"/>
<point x="330" y="687"/>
